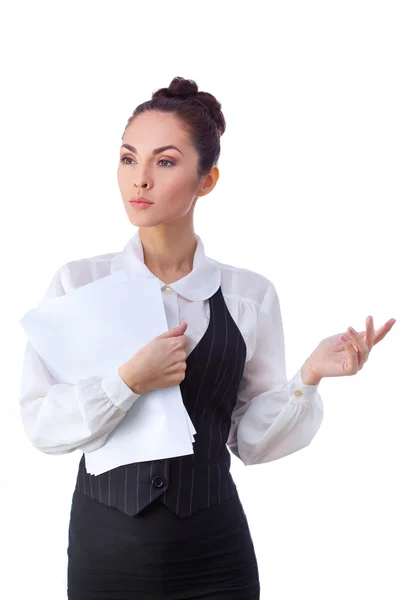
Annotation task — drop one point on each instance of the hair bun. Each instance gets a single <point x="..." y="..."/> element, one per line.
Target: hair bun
<point x="187" y="88"/>
<point x="178" y="87"/>
<point x="183" y="87"/>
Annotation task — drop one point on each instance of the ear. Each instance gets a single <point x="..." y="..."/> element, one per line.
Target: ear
<point x="209" y="182"/>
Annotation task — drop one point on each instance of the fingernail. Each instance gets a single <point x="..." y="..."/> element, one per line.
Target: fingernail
<point x="352" y="330"/>
<point x="343" y="339"/>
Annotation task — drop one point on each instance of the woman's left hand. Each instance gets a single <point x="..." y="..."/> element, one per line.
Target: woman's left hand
<point x="345" y="353"/>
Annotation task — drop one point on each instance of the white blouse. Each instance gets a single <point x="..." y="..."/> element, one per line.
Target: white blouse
<point x="273" y="417"/>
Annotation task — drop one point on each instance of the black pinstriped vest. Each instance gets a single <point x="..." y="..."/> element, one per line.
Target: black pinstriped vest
<point x="186" y="484"/>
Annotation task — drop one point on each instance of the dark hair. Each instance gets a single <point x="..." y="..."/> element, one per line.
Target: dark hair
<point x="199" y="112"/>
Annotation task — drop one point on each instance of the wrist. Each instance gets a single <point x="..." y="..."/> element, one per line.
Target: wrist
<point x="309" y="374"/>
<point x="129" y="379"/>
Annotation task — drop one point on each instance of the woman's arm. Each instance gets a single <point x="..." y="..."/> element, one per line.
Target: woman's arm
<point x="273" y="417"/>
<point x="59" y="418"/>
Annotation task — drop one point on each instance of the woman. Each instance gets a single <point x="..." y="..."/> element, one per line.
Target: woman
<point x="175" y="528"/>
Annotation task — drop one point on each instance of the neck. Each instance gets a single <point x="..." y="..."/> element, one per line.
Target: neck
<point x="168" y="253"/>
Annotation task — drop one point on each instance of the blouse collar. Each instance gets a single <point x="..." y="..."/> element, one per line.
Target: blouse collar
<point x="200" y="284"/>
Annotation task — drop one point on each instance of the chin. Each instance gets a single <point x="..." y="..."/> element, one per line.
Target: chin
<point x="143" y="221"/>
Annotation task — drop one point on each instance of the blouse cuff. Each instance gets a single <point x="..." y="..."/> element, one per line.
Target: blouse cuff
<point x="300" y="393"/>
<point x="119" y="392"/>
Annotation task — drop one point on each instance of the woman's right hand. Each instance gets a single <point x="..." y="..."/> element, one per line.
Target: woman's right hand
<point x="159" y="364"/>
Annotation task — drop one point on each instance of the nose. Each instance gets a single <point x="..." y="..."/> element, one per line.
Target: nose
<point x="142" y="180"/>
<point x="141" y="184"/>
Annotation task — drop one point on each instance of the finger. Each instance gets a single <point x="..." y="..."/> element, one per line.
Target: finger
<point x="175" y="331"/>
<point x="384" y="330"/>
<point x="183" y="339"/>
<point x="180" y="356"/>
<point x="370" y="332"/>
<point x="353" y="364"/>
<point x="360" y="344"/>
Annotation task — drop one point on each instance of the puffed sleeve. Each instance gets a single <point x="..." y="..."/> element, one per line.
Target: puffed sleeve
<point x="59" y="418"/>
<point x="273" y="417"/>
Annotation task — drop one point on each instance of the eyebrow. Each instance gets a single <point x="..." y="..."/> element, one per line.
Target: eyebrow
<point x="155" y="151"/>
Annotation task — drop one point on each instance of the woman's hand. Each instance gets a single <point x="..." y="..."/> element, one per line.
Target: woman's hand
<point x="343" y="353"/>
<point x="159" y="364"/>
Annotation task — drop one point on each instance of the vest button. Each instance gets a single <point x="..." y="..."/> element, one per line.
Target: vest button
<point x="158" y="481"/>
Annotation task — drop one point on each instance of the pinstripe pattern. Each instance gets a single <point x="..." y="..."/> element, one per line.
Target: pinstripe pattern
<point x="188" y="483"/>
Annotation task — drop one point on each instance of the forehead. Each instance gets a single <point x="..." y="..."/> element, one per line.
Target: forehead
<point x="154" y="129"/>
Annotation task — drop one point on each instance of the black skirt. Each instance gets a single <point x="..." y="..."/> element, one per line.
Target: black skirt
<point x="156" y="554"/>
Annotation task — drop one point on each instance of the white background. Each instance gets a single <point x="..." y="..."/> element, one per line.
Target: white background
<point x="308" y="196"/>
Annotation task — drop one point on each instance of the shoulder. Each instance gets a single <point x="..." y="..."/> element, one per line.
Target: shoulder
<point x="247" y="284"/>
<point x="86" y="270"/>
<point x="76" y="273"/>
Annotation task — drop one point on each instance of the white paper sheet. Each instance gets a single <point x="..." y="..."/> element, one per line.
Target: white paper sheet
<point x="86" y="335"/>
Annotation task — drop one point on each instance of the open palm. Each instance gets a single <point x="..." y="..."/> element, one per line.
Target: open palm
<point x="346" y="353"/>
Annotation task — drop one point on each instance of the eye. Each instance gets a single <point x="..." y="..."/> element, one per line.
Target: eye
<point x="124" y="158"/>
<point x="128" y="158"/>
<point x="164" y="160"/>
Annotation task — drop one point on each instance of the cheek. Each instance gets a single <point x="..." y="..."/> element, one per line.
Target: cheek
<point x="178" y="198"/>
<point x="122" y="180"/>
<point x="179" y="188"/>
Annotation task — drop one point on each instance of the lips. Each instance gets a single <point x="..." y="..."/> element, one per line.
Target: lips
<point x="140" y="200"/>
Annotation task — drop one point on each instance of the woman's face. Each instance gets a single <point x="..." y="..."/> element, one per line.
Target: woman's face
<point x="168" y="178"/>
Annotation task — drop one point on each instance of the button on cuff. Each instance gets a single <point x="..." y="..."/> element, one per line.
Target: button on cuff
<point x="300" y="392"/>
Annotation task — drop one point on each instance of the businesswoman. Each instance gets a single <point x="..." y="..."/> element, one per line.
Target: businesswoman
<point x="175" y="528"/>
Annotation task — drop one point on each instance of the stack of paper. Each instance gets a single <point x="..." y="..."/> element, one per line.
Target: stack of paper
<point x="86" y="335"/>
